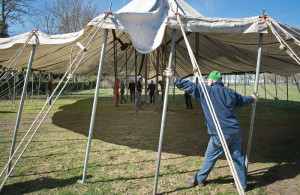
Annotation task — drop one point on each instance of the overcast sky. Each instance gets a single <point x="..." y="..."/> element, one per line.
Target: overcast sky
<point x="285" y="11"/>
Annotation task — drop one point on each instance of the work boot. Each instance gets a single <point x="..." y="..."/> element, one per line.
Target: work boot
<point x="193" y="182"/>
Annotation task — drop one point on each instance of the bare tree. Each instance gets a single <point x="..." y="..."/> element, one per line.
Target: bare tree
<point x="12" y="12"/>
<point x="65" y="16"/>
<point x="44" y="19"/>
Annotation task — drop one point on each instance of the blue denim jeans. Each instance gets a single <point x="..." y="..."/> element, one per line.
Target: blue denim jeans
<point x="214" y="150"/>
<point x="122" y="98"/>
<point x="139" y="100"/>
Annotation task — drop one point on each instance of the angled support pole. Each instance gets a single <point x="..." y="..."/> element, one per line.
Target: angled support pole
<point x="297" y="83"/>
<point x="39" y="86"/>
<point x="32" y="77"/>
<point x="163" y="120"/>
<point x="22" y="102"/>
<point x="94" y="108"/>
<point x="254" y="104"/>
<point x="14" y="96"/>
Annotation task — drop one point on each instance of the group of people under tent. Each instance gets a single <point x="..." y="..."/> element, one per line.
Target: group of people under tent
<point x="224" y="100"/>
<point x="135" y="92"/>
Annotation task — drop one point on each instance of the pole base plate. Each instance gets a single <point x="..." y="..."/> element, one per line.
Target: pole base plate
<point x="82" y="182"/>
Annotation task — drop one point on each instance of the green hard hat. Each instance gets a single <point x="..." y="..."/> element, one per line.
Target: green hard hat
<point x="214" y="75"/>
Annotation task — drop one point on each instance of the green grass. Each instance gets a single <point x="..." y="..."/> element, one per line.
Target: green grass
<point x="124" y="147"/>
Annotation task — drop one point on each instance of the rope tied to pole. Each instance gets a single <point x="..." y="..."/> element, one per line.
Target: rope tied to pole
<point x="283" y="44"/>
<point x="19" y="52"/>
<point x="198" y="74"/>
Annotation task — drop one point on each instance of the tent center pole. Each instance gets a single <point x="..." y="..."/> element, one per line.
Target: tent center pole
<point x="254" y="103"/>
<point x="94" y="108"/>
<point x="162" y="128"/>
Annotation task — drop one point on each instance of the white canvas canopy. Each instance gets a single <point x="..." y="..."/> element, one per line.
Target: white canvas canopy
<point x="227" y="45"/>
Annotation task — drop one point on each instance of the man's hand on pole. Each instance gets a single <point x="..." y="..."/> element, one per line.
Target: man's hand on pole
<point x="170" y="74"/>
<point x="256" y="97"/>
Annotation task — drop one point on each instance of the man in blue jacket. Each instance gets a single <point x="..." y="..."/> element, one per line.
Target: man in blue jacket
<point x="224" y="101"/>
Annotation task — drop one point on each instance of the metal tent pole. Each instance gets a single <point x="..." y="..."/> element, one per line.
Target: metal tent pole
<point x="245" y="84"/>
<point x="175" y="70"/>
<point x="287" y="90"/>
<point x="265" y="85"/>
<point x="197" y="59"/>
<point x="235" y="82"/>
<point x="254" y="104"/>
<point x="296" y="83"/>
<point x="94" y="108"/>
<point x="21" y="105"/>
<point x="39" y="86"/>
<point x="146" y="76"/>
<point x="135" y="80"/>
<point x="32" y="75"/>
<point x="9" y="91"/>
<point x="162" y="128"/>
<point x="14" y="98"/>
<point x="197" y="82"/>
<point x="276" y="86"/>
<point x="126" y="84"/>
<point x="156" y="80"/>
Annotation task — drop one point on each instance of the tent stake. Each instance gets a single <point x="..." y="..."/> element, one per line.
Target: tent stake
<point x="21" y="105"/>
<point x="254" y="104"/>
<point x="94" y="108"/>
<point x="162" y="128"/>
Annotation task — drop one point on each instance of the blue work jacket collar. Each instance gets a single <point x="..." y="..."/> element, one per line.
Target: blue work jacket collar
<point x="218" y="84"/>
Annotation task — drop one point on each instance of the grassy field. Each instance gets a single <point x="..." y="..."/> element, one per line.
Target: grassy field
<point x="124" y="147"/>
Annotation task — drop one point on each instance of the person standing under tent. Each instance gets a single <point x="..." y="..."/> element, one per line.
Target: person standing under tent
<point x="224" y="100"/>
<point x="122" y="92"/>
<point x="188" y="100"/>
<point x="152" y="88"/>
<point x="49" y="89"/>
<point x="116" y="93"/>
<point x="131" y="87"/>
<point x="162" y="89"/>
<point x="139" y="89"/>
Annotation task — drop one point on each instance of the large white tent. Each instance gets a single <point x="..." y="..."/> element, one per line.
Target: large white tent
<point x="227" y="45"/>
<point x="231" y="46"/>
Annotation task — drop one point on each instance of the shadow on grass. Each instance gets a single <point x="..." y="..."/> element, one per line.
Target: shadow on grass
<point x="6" y="112"/>
<point x="38" y="184"/>
<point x="122" y="126"/>
<point x="274" y="139"/>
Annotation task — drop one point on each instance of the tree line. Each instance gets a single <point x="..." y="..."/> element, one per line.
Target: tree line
<point x="48" y="16"/>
